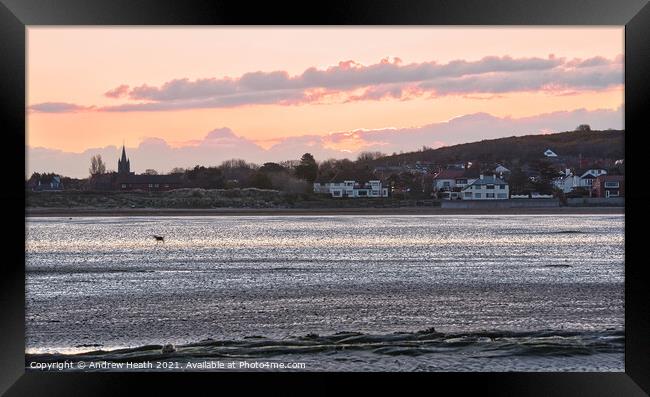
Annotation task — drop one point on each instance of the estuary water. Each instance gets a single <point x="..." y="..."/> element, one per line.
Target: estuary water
<point x="337" y="293"/>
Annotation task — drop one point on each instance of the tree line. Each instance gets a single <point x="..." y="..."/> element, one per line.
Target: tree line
<point x="523" y="155"/>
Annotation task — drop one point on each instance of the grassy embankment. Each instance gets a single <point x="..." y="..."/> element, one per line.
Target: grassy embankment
<point x="202" y="199"/>
<point x="197" y="202"/>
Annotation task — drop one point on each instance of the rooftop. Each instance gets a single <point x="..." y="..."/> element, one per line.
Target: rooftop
<point x="356" y="182"/>
<point x="609" y="178"/>
<point x="487" y="180"/>
<point x="145" y="179"/>
<point x="450" y="174"/>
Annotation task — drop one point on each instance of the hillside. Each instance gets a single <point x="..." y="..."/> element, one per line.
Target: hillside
<point x="590" y="145"/>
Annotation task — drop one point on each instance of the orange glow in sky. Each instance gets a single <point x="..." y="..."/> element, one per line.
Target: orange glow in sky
<point x="78" y="66"/>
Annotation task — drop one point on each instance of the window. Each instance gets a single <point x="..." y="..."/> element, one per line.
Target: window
<point x="477" y="195"/>
<point x="489" y="195"/>
<point x="156" y="185"/>
<point x="468" y="194"/>
<point x="461" y="181"/>
<point x="362" y="193"/>
<point x="611" y="184"/>
<point x="445" y="184"/>
<point x="502" y="186"/>
<point x="124" y="186"/>
<point x="336" y="193"/>
<point x="375" y="192"/>
<point x="151" y="185"/>
<point x="502" y="196"/>
<point x="489" y="187"/>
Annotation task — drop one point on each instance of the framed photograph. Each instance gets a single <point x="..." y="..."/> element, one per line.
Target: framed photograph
<point x="376" y="191"/>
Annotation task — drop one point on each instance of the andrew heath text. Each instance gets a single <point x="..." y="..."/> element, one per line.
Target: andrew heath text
<point x="162" y="365"/>
<point x="92" y="365"/>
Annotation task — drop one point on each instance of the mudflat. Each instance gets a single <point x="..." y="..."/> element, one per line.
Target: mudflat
<point x="77" y="212"/>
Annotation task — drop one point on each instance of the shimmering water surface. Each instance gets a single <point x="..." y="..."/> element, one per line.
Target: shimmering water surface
<point x="548" y="289"/>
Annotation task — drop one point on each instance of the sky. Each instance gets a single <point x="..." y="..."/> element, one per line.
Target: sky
<point x="182" y="96"/>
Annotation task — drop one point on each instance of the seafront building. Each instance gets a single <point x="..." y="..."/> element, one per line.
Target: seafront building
<point x="448" y="183"/>
<point x="569" y="181"/>
<point x="486" y="188"/>
<point x="609" y="186"/>
<point x="451" y="179"/>
<point x="351" y="188"/>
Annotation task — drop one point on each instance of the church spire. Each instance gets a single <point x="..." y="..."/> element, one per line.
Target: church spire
<point x="123" y="164"/>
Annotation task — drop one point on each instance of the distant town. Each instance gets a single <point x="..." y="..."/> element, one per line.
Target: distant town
<point x="511" y="170"/>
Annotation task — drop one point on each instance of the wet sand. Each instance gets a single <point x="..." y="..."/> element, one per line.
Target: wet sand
<point x="79" y="212"/>
<point x="344" y="293"/>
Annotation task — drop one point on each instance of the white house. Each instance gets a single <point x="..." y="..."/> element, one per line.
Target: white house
<point x="564" y="182"/>
<point x="448" y="183"/>
<point x="351" y="188"/>
<point x="549" y="153"/>
<point x="486" y="188"/>
<point x="45" y="183"/>
<point x="570" y="181"/>
<point x="587" y="178"/>
<point x="447" y="180"/>
<point x="595" y="172"/>
<point x="500" y="170"/>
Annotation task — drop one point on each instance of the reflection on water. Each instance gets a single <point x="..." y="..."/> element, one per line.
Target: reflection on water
<point x="105" y="281"/>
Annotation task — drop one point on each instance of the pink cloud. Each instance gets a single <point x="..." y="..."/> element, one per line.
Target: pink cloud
<point x="387" y="79"/>
<point x="59" y="107"/>
<point x="118" y="92"/>
<point x="349" y="81"/>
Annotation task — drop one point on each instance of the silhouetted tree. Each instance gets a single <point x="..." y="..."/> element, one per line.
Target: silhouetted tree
<point x="97" y="166"/>
<point x="205" y="177"/>
<point x="260" y="180"/>
<point x="235" y="163"/>
<point x="369" y="156"/>
<point x="290" y="164"/>
<point x="308" y="169"/>
<point x="236" y="172"/>
<point x="272" y="167"/>
<point x="518" y="181"/>
<point x="544" y="184"/>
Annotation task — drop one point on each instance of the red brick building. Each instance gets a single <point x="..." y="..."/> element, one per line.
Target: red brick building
<point x="609" y="186"/>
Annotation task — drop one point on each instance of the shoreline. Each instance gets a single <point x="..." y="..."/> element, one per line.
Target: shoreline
<point x="115" y="212"/>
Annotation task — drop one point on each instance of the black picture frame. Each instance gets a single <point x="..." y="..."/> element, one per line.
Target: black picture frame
<point x="15" y="15"/>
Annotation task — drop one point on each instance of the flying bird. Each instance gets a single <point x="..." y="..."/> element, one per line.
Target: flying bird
<point x="159" y="238"/>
